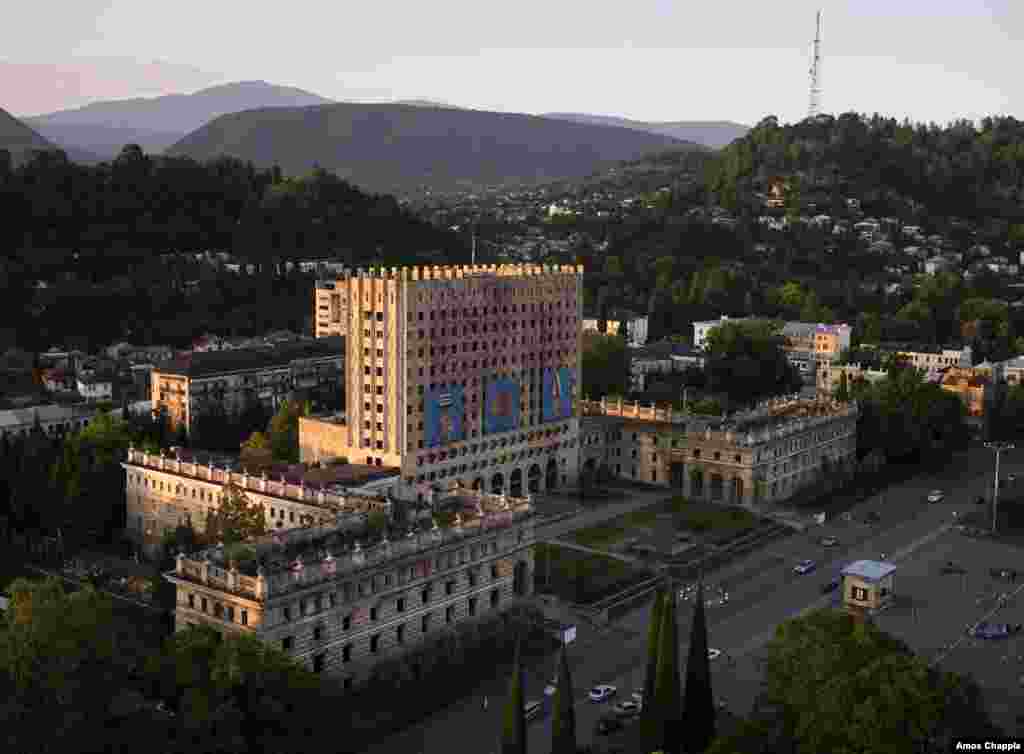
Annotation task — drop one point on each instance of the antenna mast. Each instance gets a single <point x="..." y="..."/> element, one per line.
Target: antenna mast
<point x="814" y="108"/>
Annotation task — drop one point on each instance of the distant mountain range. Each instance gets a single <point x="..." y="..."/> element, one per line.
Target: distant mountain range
<point x="402" y="148"/>
<point x="155" y="123"/>
<point x="21" y="140"/>
<point x="711" y="133"/>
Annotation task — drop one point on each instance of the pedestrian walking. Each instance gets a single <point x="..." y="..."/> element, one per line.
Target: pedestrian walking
<point x="485" y="704"/>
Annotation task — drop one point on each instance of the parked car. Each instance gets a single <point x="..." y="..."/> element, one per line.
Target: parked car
<point x="687" y="592"/>
<point x="607" y="725"/>
<point x="952" y="569"/>
<point x="936" y="496"/>
<point x="995" y="630"/>
<point x="831" y="586"/>
<point x="638" y="697"/>
<point x="627" y="709"/>
<point x="602" y="693"/>
<point x="1004" y="574"/>
<point x="714" y="654"/>
<point x="532" y="709"/>
<point x="804" y="567"/>
<point x="551" y="687"/>
<point x="829" y="541"/>
<point x="872" y="518"/>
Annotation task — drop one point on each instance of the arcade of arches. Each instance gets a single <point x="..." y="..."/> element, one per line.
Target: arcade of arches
<point x="527" y="480"/>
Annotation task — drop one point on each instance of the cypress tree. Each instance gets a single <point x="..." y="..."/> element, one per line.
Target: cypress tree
<point x="563" y="726"/>
<point x="667" y="713"/>
<point x="647" y="716"/>
<point x="698" y="703"/>
<point x="513" y="739"/>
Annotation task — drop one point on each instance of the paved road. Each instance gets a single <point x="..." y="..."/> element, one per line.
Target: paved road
<point x="763" y="592"/>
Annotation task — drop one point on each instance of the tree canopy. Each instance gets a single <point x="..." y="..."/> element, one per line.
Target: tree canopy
<point x="842" y="685"/>
<point x="746" y="362"/>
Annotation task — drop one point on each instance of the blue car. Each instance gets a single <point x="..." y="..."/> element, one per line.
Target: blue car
<point x="804" y="567"/>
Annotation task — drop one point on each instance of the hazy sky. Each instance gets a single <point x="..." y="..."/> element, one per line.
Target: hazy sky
<point x="643" y="59"/>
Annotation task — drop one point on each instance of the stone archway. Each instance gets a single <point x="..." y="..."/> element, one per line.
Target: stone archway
<point x="737" y="490"/>
<point x="677" y="475"/>
<point x="551" y="474"/>
<point x="533" y="476"/>
<point x="520" y="584"/>
<point x="696" y="483"/>
<point x="717" y="487"/>
<point x="498" y="484"/>
<point x="515" y="483"/>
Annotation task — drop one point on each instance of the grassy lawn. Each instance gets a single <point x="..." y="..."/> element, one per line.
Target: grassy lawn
<point x="712" y="519"/>
<point x="581" y="577"/>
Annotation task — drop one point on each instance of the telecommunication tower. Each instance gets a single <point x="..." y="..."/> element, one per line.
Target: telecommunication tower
<point x="815" y="99"/>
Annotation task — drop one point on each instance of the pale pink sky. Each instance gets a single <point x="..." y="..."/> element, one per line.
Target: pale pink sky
<point x="645" y="59"/>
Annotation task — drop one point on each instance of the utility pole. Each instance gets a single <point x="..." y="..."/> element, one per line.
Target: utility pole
<point x="998" y="447"/>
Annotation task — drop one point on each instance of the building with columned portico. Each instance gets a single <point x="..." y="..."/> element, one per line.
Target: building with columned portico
<point x="767" y="454"/>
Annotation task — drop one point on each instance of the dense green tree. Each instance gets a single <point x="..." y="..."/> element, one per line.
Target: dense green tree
<point x="236" y="519"/>
<point x="283" y="430"/>
<point x="746" y="362"/>
<point x="698" y="700"/>
<point x="842" y="685"/>
<point x="904" y="416"/>
<point x="605" y="366"/>
<point x="667" y="699"/>
<point x="563" y="723"/>
<point x="513" y="737"/>
<point x="648" y="720"/>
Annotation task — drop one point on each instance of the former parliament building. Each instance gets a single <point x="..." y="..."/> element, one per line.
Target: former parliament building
<point x="456" y="376"/>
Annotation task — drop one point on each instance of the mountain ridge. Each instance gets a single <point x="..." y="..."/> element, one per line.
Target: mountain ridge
<point x="156" y="123"/>
<point x="397" y="148"/>
<point x="713" y="134"/>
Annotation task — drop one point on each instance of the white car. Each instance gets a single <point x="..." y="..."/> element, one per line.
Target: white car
<point x="804" y="567"/>
<point x="935" y="496"/>
<point x="627" y="709"/>
<point x="714" y="654"/>
<point x="829" y="541"/>
<point x="638" y="697"/>
<point x="602" y="693"/>
<point x="551" y="688"/>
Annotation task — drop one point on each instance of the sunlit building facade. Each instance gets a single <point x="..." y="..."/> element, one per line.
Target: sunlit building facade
<point x="461" y="376"/>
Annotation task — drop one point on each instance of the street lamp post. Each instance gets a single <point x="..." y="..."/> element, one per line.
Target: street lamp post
<point x="998" y="447"/>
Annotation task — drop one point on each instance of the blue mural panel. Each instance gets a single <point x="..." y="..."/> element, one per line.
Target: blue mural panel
<point x="501" y="405"/>
<point x="557" y="398"/>
<point x="444" y="416"/>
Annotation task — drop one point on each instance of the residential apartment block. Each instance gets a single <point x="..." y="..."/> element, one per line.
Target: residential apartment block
<point x="340" y="603"/>
<point x="457" y="376"/>
<point x="806" y="343"/>
<point x="764" y="455"/>
<point x="634" y="324"/>
<point x="184" y="386"/>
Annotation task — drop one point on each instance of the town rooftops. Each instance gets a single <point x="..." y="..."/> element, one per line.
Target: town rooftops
<point x="208" y="363"/>
<point x="869" y="570"/>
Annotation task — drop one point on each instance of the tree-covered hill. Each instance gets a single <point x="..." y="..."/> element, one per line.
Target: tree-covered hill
<point x="400" y="148"/>
<point x="108" y="241"/>
<point x="960" y="169"/>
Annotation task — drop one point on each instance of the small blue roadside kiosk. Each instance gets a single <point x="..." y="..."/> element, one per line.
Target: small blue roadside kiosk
<point x="868" y="585"/>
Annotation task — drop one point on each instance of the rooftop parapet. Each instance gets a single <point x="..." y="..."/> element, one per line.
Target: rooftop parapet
<point x="769" y="420"/>
<point x="288" y="485"/>
<point x="295" y="559"/>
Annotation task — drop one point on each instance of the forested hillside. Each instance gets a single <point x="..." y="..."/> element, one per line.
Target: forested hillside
<point x="108" y="244"/>
<point x="958" y="170"/>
